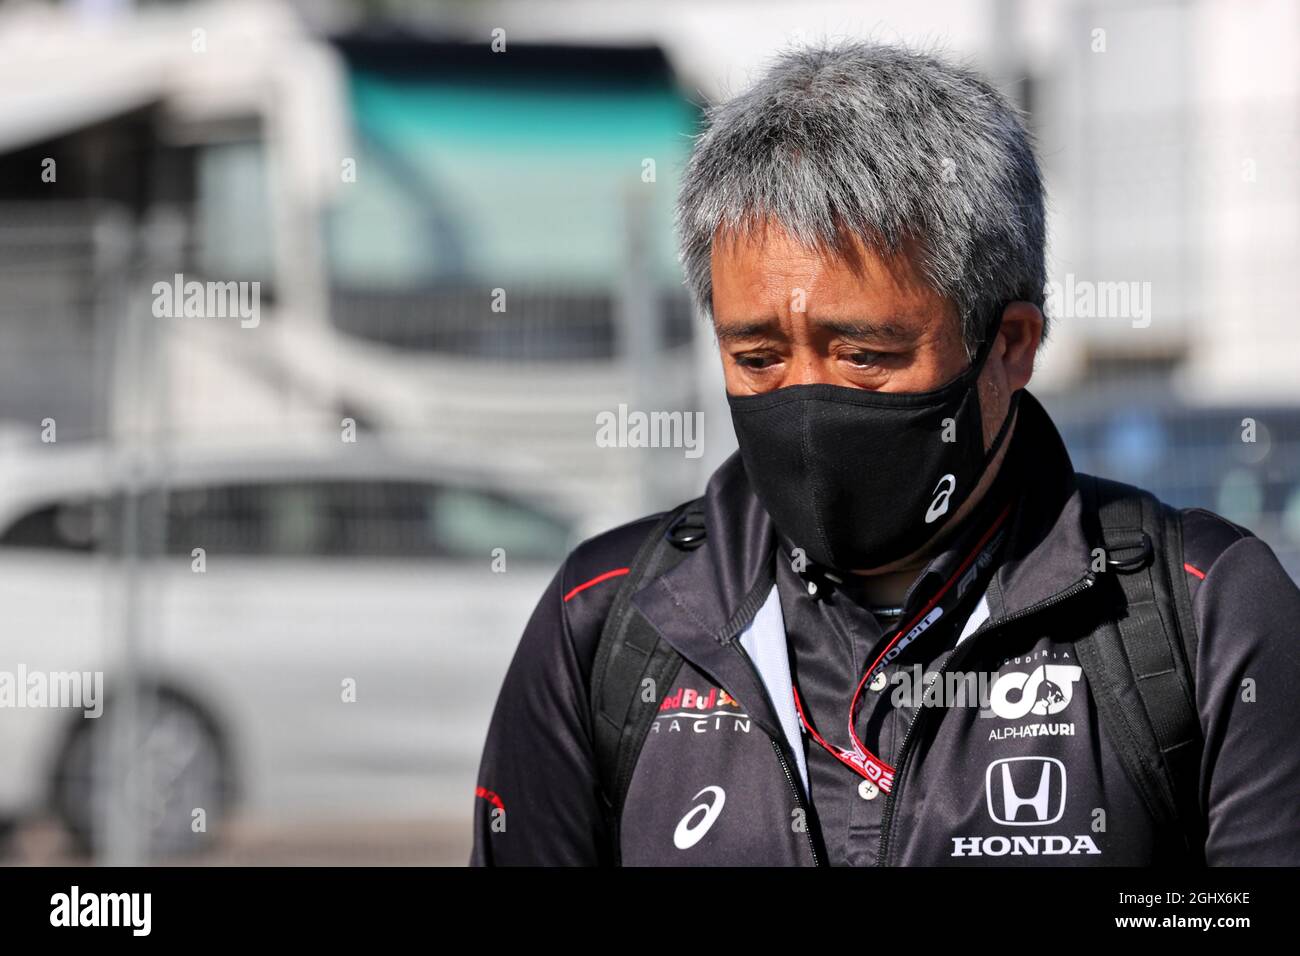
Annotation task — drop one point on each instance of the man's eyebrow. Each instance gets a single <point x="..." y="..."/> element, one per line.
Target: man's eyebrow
<point x="848" y="328"/>
<point x="745" y="330"/>
<point x="868" y="329"/>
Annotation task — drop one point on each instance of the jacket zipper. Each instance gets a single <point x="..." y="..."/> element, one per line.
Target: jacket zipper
<point x="780" y="756"/>
<point x="794" y="787"/>
<point x="887" y="817"/>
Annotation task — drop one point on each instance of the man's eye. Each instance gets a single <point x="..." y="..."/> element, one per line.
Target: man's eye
<point x="864" y="359"/>
<point x="754" y="361"/>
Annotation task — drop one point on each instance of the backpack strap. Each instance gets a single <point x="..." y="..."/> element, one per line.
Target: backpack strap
<point x="1140" y="661"/>
<point x="629" y="654"/>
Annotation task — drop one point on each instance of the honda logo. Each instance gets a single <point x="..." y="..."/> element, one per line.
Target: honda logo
<point x="1025" y="791"/>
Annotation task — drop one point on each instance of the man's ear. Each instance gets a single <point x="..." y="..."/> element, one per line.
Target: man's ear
<point x="1019" y="336"/>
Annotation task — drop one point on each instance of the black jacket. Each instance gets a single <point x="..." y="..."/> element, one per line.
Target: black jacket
<point x="714" y="782"/>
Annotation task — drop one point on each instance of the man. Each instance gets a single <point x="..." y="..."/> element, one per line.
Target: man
<point x="865" y="228"/>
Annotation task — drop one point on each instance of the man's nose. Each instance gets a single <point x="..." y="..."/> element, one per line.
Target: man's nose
<point x="808" y="367"/>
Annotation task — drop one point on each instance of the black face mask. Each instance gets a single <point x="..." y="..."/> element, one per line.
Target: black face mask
<point x="859" y="479"/>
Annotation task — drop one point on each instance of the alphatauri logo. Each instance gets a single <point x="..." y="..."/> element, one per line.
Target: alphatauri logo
<point x="1045" y="690"/>
<point x="943" y="491"/>
<point x="692" y="827"/>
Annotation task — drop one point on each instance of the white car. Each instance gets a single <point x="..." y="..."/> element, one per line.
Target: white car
<point x="332" y="653"/>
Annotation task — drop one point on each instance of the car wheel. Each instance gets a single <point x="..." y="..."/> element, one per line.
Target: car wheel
<point x="177" y="766"/>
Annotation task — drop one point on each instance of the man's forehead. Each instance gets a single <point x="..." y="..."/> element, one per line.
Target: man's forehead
<point x="767" y="239"/>
<point x="757" y="271"/>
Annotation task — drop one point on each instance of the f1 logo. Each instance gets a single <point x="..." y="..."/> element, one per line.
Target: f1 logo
<point x="1016" y="784"/>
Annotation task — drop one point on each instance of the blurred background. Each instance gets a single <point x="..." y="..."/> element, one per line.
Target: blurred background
<point x="299" y="538"/>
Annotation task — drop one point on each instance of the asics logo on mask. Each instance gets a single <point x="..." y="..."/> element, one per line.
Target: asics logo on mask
<point x="939" y="506"/>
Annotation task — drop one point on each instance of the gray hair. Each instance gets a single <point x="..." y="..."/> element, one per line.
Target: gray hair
<point x="880" y="143"/>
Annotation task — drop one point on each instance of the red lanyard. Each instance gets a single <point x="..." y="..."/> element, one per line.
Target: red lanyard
<point x="862" y="760"/>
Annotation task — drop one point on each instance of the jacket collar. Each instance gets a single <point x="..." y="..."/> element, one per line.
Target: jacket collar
<point x="701" y="605"/>
<point x="1049" y="546"/>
